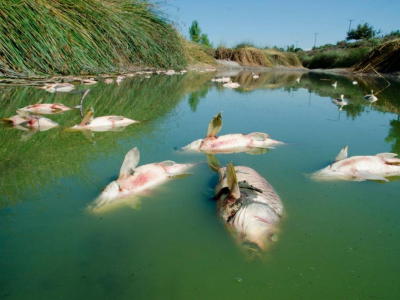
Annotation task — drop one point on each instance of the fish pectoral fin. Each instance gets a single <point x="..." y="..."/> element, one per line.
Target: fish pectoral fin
<point x="387" y="155"/>
<point x="134" y="203"/>
<point x="259" y="136"/>
<point x="215" y="125"/>
<point x="213" y="162"/>
<point x="167" y="163"/>
<point x="232" y="181"/>
<point x="342" y="154"/>
<point x="130" y="162"/>
<point x="258" y="151"/>
<point x="369" y="176"/>
<point x="179" y="175"/>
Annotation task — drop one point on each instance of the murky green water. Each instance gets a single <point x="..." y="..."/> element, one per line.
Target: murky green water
<point x="337" y="240"/>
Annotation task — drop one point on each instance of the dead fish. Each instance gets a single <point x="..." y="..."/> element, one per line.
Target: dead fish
<point x="221" y="79"/>
<point x="108" y="81"/>
<point x="371" y="98"/>
<point x="249" y="206"/>
<point x="230" y="143"/>
<point x="88" y="81"/>
<point x="119" y="79"/>
<point x="360" y="168"/>
<point x="46" y="108"/>
<point x="134" y="180"/>
<point x="335" y="85"/>
<point x="105" y="123"/>
<point x="340" y="102"/>
<point x="14" y="120"/>
<point x="231" y="85"/>
<point x="170" y="72"/>
<point x="33" y="121"/>
<point x="62" y="87"/>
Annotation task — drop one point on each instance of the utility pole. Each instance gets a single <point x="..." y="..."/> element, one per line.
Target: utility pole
<point x="297" y="43"/>
<point x="315" y="41"/>
<point x="350" y="24"/>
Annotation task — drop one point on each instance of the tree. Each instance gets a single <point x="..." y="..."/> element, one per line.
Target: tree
<point x="195" y="32"/>
<point x="362" y="32"/>
<point x="196" y="36"/>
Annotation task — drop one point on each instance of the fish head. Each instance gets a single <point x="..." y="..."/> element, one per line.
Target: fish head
<point x="194" y="146"/>
<point x="109" y="194"/>
<point x="327" y="174"/>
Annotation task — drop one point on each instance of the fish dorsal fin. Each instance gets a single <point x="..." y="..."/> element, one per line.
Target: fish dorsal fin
<point x="130" y="162"/>
<point x="387" y="155"/>
<point x="342" y="154"/>
<point x="88" y="118"/>
<point x="232" y="181"/>
<point x="215" y="125"/>
<point x="167" y="163"/>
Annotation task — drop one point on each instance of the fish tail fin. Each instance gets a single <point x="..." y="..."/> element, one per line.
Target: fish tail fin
<point x="214" y="127"/>
<point x="232" y="181"/>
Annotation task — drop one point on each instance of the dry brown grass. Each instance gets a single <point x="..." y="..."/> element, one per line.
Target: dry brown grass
<point x="197" y="55"/>
<point x="384" y="58"/>
<point x="285" y="59"/>
<point x="251" y="57"/>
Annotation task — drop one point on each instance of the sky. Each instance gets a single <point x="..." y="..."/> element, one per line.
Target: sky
<point x="283" y="22"/>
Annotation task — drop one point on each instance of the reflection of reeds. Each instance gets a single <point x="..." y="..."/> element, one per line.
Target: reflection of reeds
<point x="58" y="153"/>
<point x="84" y="36"/>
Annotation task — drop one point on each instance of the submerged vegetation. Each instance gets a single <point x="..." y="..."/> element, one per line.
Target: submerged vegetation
<point x="41" y="37"/>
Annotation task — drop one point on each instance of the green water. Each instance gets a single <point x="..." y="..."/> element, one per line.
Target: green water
<point x="338" y="240"/>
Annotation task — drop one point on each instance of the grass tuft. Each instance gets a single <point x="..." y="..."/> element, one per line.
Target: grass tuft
<point x="46" y="37"/>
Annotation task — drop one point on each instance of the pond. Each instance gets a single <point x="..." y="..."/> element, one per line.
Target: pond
<point x="337" y="239"/>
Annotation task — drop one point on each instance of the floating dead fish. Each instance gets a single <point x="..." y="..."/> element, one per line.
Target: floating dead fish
<point x="360" y="168"/>
<point x="298" y="80"/>
<point x="88" y="81"/>
<point x="105" y="123"/>
<point x="221" y="79"/>
<point x="46" y="108"/>
<point x="33" y="121"/>
<point x="14" y="120"/>
<point x="108" y="81"/>
<point x="249" y="206"/>
<point x="119" y="79"/>
<point x="135" y="180"/>
<point x="63" y="87"/>
<point x="355" y="82"/>
<point x="183" y="71"/>
<point x="170" y="72"/>
<point x="340" y="102"/>
<point x="230" y="143"/>
<point x="231" y="85"/>
<point x="371" y="98"/>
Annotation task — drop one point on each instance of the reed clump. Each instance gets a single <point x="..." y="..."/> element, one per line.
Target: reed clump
<point x="198" y="55"/>
<point x="384" y="58"/>
<point x="47" y="37"/>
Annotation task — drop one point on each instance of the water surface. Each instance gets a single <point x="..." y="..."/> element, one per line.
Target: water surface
<point x="337" y="240"/>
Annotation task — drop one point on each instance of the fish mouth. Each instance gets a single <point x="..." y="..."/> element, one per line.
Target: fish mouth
<point x="107" y="196"/>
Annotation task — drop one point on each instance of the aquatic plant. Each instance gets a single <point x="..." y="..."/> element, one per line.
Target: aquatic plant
<point x="46" y="37"/>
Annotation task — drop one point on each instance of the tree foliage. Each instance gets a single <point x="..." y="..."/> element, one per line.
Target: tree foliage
<point x="196" y="36"/>
<point x="362" y="32"/>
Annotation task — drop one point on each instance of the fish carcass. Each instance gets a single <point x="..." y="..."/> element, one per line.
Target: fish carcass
<point x="134" y="180"/>
<point x="230" y="143"/>
<point x="249" y="206"/>
<point x="46" y="108"/>
<point x="104" y="123"/>
<point x="360" y="168"/>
